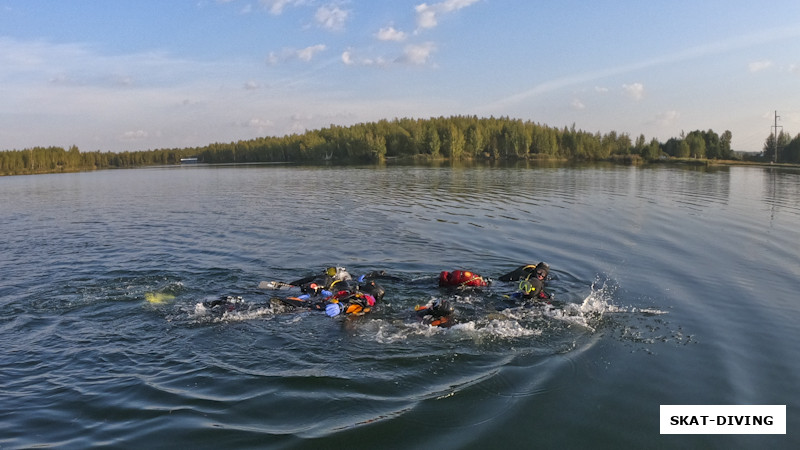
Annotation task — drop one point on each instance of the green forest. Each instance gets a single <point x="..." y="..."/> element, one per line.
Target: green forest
<point x="457" y="137"/>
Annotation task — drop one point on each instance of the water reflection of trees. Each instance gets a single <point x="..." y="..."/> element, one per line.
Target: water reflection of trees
<point x="782" y="189"/>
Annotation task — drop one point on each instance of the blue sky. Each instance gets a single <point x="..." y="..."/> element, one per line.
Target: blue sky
<point x="135" y="75"/>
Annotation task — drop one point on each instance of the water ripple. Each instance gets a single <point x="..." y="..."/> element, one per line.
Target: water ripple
<point x="107" y="341"/>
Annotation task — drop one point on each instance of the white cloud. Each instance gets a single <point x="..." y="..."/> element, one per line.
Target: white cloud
<point x="417" y="54"/>
<point x="713" y="48"/>
<point x="601" y="89"/>
<point x="33" y="64"/>
<point x="134" y="135"/>
<point x="454" y="5"/>
<point x="259" y="124"/>
<point x="41" y="57"/>
<point x="577" y="104"/>
<point x="349" y="58"/>
<point x="758" y="66"/>
<point x="795" y="69"/>
<point x="251" y="85"/>
<point x="276" y="6"/>
<point x="331" y="17"/>
<point x="667" y="118"/>
<point x="635" y="90"/>
<point x="390" y="34"/>
<point x="308" y="53"/>
<point x="300" y="122"/>
<point x="428" y="15"/>
<point x="290" y="54"/>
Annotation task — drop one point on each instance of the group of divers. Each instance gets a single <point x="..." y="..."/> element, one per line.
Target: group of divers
<point x="335" y="292"/>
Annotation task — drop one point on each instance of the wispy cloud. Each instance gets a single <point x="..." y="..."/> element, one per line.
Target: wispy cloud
<point x="347" y="58"/>
<point x="667" y="118"/>
<point x="331" y="17"/>
<point x="308" y="53"/>
<point x="758" y="66"/>
<point x="136" y="135"/>
<point x="290" y="54"/>
<point x="412" y="55"/>
<point x="390" y="34"/>
<point x="259" y="124"/>
<point x="417" y="54"/>
<point x="76" y="64"/>
<point x="328" y="16"/>
<point x="699" y="51"/>
<point x="428" y="15"/>
<point x="39" y="56"/>
<point x="634" y="91"/>
<point x="577" y="105"/>
<point x="276" y="7"/>
<point x="350" y="57"/>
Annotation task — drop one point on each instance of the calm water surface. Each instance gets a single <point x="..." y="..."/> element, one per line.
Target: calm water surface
<point x="672" y="286"/>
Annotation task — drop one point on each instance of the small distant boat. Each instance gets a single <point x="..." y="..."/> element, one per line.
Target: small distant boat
<point x="188" y="160"/>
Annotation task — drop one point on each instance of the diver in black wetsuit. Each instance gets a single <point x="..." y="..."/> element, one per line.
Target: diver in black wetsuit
<point x="336" y="292"/>
<point x="333" y="291"/>
<point x="436" y="313"/>
<point x="532" y="280"/>
<point x="355" y="299"/>
<point x="331" y="278"/>
<point x="531" y="277"/>
<point x="225" y="303"/>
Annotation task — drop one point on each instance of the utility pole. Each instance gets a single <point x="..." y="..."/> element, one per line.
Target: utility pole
<point x="775" y="153"/>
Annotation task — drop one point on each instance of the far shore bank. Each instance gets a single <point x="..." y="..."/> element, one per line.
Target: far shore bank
<point x="422" y="161"/>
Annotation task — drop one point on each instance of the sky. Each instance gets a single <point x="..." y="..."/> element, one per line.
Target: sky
<point x="119" y="75"/>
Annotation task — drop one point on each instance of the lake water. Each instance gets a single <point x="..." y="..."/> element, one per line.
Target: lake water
<point x="673" y="285"/>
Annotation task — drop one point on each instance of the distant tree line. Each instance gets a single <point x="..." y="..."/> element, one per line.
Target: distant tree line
<point x="56" y="159"/>
<point x="456" y="137"/>
<point x="788" y="148"/>
<point x="701" y="145"/>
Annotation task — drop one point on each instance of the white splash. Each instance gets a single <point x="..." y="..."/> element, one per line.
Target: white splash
<point x="241" y="313"/>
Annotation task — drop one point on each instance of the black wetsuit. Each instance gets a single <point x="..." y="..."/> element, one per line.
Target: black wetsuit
<point x="531" y="286"/>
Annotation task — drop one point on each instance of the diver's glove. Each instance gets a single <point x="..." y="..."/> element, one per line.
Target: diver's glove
<point x="333" y="309"/>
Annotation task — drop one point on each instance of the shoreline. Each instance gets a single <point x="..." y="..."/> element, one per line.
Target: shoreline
<point x="625" y="160"/>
